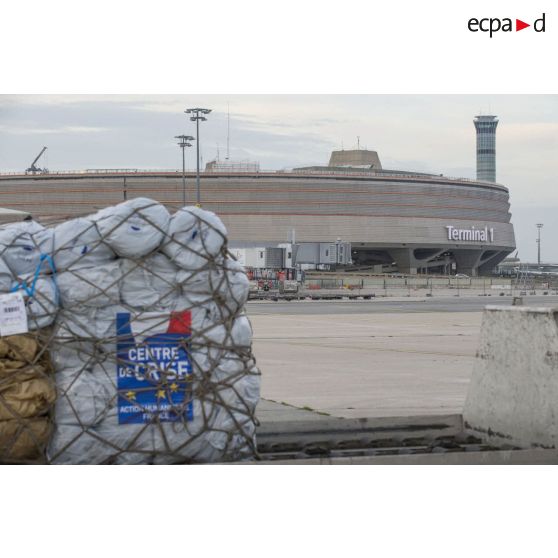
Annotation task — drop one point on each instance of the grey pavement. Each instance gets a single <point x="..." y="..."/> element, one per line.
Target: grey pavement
<point x="361" y="358"/>
<point x="378" y="358"/>
<point x="367" y="365"/>
<point x="389" y="305"/>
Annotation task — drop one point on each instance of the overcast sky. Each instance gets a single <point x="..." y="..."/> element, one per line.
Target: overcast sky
<point x="410" y="132"/>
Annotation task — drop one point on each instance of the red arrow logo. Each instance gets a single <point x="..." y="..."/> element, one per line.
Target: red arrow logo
<point x="519" y="25"/>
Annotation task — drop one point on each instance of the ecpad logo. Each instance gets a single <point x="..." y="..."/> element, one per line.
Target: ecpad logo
<point x="493" y="25"/>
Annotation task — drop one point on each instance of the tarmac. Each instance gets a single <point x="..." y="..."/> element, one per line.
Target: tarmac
<point x="379" y="358"/>
<point x="379" y="382"/>
<point x="391" y="305"/>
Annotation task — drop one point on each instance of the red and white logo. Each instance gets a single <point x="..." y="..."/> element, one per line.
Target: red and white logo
<point x="493" y="25"/>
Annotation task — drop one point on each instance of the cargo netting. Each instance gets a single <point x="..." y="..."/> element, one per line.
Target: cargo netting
<point x="137" y="348"/>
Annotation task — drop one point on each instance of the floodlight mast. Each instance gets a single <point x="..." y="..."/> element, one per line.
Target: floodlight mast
<point x="183" y="143"/>
<point x="196" y="116"/>
<point x="539" y="227"/>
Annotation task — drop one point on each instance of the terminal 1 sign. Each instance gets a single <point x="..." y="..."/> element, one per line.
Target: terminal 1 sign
<point x="473" y="234"/>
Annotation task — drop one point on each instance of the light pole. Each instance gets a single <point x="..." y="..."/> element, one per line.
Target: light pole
<point x="183" y="144"/>
<point x="196" y="116"/>
<point x="539" y="226"/>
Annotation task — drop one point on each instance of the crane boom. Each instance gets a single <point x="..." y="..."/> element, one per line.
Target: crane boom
<point x="33" y="168"/>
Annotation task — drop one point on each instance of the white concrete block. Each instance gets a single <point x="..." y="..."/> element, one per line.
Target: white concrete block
<point x="513" y="394"/>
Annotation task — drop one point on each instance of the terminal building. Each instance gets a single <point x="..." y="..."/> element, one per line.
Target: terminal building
<point x="350" y="212"/>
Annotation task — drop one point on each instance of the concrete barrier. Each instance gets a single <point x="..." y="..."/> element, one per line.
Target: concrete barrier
<point x="513" y="395"/>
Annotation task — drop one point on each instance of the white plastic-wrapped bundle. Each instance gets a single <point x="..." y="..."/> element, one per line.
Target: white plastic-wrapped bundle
<point x="232" y="370"/>
<point x="6" y="278"/>
<point x="40" y="294"/>
<point x="22" y="244"/>
<point x="26" y="265"/>
<point x="149" y="283"/>
<point x="226" y="333"/>
<point x="133" y="228"/>
<point x="225" y="283"/>
<point x="93" y="324"/>
<point x="153" y="351"/>
<point x="152" y="409"/>
<point x="83" y="398"/>
<point x="74" y="355"/>
<point x="98" y="325"/>
<point x="236" y="392"/>
<point x="43" y="304"/>
<point x="90" y="287"/>
<point x="199" y="286"/>
<point x="78" y="244"/>
<point x="234" y="286"/>
<point x="195" y="238"/>
<point x="154" y="443"/>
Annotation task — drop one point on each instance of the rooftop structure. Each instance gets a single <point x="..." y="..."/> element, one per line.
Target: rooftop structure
<point x="355" y="158"/>
<point x="232" y="166"/>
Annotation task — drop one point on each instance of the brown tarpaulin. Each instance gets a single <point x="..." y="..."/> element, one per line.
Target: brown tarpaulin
<point x="16" y="352"/>
<point x="24" y="439"/>
<point x="27" y="392"/>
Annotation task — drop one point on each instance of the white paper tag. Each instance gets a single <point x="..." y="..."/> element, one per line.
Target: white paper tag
<point x="13" y="317"/>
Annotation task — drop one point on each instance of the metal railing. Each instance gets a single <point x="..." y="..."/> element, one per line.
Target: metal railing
<point x="290" y="172"/>
<point x="412" y="287"/>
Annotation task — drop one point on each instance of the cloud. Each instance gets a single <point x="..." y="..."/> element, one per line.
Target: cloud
<point x="538" y="135"/>
<point x="84" y="129"/>
<point x="14" y="101"/>
<point x="47" y="131"/>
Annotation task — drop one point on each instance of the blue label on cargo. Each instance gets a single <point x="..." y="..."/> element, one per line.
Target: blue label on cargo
<point x="154" y="375"/>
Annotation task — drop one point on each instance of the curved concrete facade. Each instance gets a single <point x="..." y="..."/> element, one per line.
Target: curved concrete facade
<point x="421" y="222"/>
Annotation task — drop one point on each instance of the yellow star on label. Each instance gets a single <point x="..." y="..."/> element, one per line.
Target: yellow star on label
<point x="174" y="387"/>
<point x="161" y="394"/>
<point x="131" y="395"/>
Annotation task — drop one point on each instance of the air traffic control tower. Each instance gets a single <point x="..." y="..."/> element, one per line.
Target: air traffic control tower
<point x="486" y="147"/>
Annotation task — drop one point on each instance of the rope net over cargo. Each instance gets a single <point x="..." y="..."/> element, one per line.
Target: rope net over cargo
<point x="138" y="349"/>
